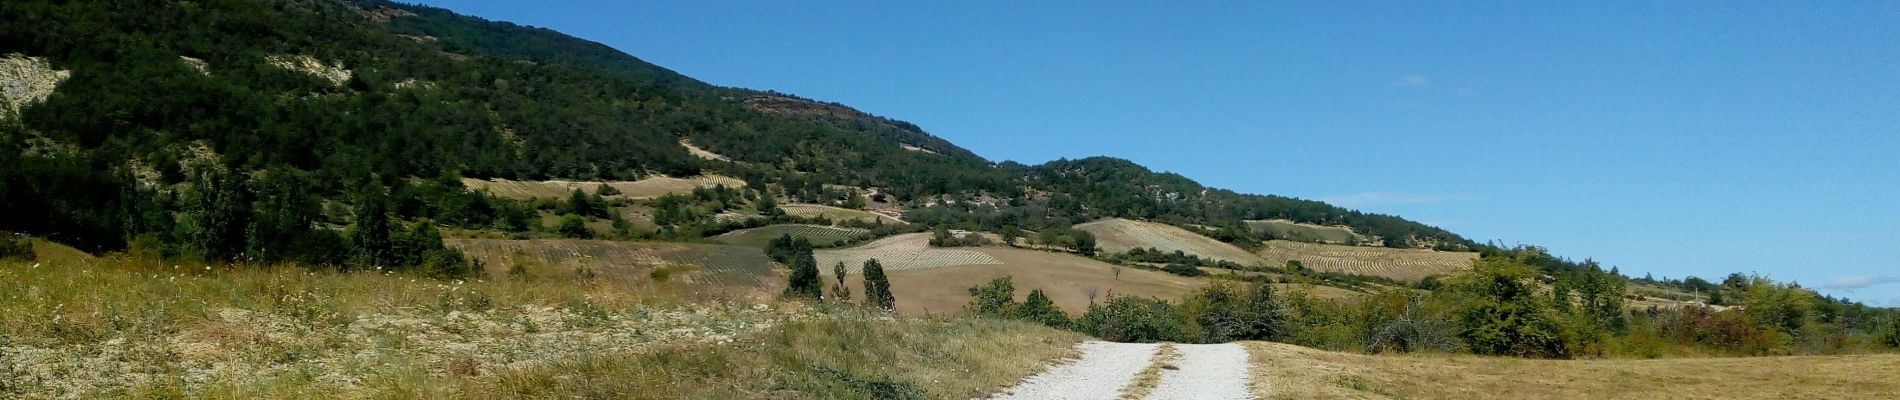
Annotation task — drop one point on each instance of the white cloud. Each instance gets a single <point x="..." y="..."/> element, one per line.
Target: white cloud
<point x="1412" y="81"/>
<point x="1356" y="200"/>
<point x="1857" y="282"/>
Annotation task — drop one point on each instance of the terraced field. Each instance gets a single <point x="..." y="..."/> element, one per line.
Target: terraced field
<point x="1281" y="228"/>
<point x="641" y="189"/>
<point x="1400" y="264"/>
<point x="902" y="252"/>
<point x="823" y="236"/>
<point x="1117" y="235"/>
<point x="835" y="213"/>
<point x="704" y="265"/>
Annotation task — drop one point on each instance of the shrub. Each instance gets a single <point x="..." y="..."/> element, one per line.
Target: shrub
<point x="1134" y="319"/>
<point x="1892" y="337"/>
<point x="16" y="247"/>
<point x="1184" y="270"/>
<point x="1504" y="314"/>
<point x="1038" y="308"/>
<point x="996" y="298"/>
<point x="574" y="226"/>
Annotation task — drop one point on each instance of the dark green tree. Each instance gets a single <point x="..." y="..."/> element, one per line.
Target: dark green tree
<point x="575" y="227"/>
<point x="804" y="282"/>
<point x="877" y="288"/>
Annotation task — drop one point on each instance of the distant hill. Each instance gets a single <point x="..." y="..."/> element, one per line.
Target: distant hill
<point x="132" y="102"/>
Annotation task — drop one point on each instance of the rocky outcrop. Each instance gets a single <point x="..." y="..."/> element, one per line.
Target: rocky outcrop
<point x="26" y="80"/>
<point x="311" y="65"/>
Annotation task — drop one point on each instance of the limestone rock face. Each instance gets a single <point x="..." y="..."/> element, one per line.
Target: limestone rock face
<point x="311" y="65"/>
<point x="26" y="80"/>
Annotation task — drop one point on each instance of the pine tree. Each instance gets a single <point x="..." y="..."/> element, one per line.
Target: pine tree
<point x="877" y="288"/>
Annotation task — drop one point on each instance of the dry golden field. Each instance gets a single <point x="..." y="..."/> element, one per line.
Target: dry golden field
<point x="1115" y="235"/>
<point x="1400" y="264"/>
<point x="705" y="270"/>
<point x="1283" y="371"/>
<point x="1066" y="278"/>
<point x="902" y="252"/>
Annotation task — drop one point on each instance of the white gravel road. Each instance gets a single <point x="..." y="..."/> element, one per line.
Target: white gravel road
<point x="1100" y="373"/>
<point x="1205" y="372"/>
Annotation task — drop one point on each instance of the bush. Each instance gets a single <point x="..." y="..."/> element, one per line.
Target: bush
<point x="1184" y="270"/>
<point x="574" y="226"/>
<point x="1504" y="314"/>
<point x="13" y="246"/>
<point x="995" y="299"/>
<point x="1892" y="338"/>
<point x="804" y="282"/>
<point x="1038" y="308"/>
<point x="1134" y="319"/>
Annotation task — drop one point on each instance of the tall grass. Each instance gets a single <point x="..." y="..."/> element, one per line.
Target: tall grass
<point x="126" y="325"/>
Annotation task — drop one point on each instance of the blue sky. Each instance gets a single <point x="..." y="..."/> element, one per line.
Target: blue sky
<point x="1674" y="138"/>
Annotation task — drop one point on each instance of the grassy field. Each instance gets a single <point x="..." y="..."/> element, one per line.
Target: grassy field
<point x="901" y="252"/>
<point x="703" y="270"/>
<point x="1293" y="372"/>
<point x="123" y="326"/>
<point x="1066" y="278"/>
<point x="1400" y="264"/>
<point x="835" y="213"/>
<point x="1305" y="232"/>
<point x="824" y="236"/>
<point x="1115" y="235"/>
<point x="641" y="189"/>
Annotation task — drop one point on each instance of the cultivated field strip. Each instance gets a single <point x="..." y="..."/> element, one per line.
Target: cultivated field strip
<point x="902" y="252"/>
<point x="836" y="213"/>
<point x="722" y="265"/>
<point x="1117" y="235"/>
<point x="641" y="189"/>
<point x="818" y="235"/>
<point x="1304" y="232"/>
<point x="1401" y="264"/>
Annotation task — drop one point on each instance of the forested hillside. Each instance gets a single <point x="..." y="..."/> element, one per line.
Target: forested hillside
<point x="337" y="99"/>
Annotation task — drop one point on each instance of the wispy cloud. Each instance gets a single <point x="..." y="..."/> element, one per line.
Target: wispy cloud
<point x="1393" y="198"/>
<point x="1412" y="81"/>
<point x="1857" y="282"/>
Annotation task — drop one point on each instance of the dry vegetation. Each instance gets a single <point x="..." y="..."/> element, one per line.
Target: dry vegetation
<point x="1291" y="372"/>
<point x="1117" y="235"/>
<point x="1067" y="279"/>
<point x="1400" y="264"/>
<point x="835" y="213"/>
<point x="695" y="270"/>
<point x="1306" y="232"/>
<point x="1149" y="377"/>
<point x="641" y="189"/>
<point x="128" y="327"/>
<point x="901" y="252"/>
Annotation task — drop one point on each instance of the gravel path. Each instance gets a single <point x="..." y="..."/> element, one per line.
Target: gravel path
<point x="1205" y="371"/>
<point x="1101" y="373"/>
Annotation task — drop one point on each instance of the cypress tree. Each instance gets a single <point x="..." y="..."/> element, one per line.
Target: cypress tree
<point x="804" y="280"/>
<point x="877" y="289"/>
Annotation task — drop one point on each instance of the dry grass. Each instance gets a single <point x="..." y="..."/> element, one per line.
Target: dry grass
<point x="74" y="326"/>
<point x="902" y="252"/>
<point x="1065" y="278"/>
<point x="1115" y="235"/>
<point x="641" y="189"/>
<point x="1283" y="371"/>
<point x="836" y="213"/>
<point x="818" y="359"/>
<point x="1146" y="380"/>
<point x="1400" y="264"/>
<point x="722" y="271"/>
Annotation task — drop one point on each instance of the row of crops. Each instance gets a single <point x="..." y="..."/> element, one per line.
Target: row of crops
<point x="822" y="236"/>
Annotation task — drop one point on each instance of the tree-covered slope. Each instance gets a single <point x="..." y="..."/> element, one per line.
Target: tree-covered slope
<point x="338" y="96"/>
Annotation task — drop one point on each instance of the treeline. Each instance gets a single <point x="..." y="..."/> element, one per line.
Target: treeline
<point x="1505" y="307"/>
